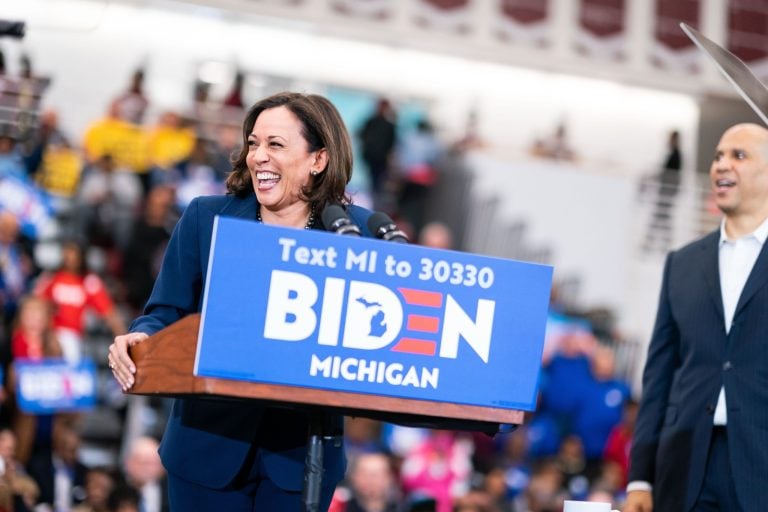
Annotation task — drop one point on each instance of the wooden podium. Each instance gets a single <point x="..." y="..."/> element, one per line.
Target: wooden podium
<point x="165" y="363"/>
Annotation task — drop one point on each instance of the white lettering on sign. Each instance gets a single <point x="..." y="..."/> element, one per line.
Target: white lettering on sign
<point x="380" y="372"/>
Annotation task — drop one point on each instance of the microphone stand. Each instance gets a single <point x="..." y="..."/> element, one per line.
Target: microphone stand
<point x="335" y="220"/>
<point x="313" y="464"/>
<point x="321" y="431"/>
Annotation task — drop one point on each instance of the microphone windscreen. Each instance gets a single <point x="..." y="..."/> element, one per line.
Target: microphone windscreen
<point x="377" y="221"/>
<point x="331" y="216"/>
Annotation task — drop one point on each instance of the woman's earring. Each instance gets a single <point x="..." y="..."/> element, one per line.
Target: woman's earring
<point x="313" y="172"/>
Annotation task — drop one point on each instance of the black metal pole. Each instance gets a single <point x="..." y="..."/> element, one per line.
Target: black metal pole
<point x="313" y="465"/>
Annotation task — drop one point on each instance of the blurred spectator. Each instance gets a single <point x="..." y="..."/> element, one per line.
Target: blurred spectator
<point x="200" y="99"/>
<point x="169" y="143"/>
<point x="60" y="177"/>
<point x="25" y="66"/>
<point x="361" y="435"/>
<point x="145" y="473"/>
<point x="200" y="180"/>
<point x="123" y="498"/>
<point x="60" y="474"/>
<point x="514" y="463"/>
<point x="544" y="433"/>
<point x="204" y="113"/>
<point x="107" y="201"/>
<point x="545" y="493"/>
<point x="673" y="162"/>
<point x="602" y="322"/>
<point x="22" y="198"/>
<point x="99" y="484"/>
<point x="658" y="235"/>
<point x="418" y="153"/>
<point x="484" y="456"/>
<point x="377" y="140"/>
<point x="620" y="439"/>
<point x="402" y="440"/>
<point x="232" y="108"/>
<point x="602" y="404"/>
<point x="73" y="290"/>
<point x="601" y="496"/>
<point x="123" y="142"/>
<point x="609" y="484"/>
<point x="440" y="467"/>
<point x="567" y="375"/>
<point x="210" y="155"/>
<point x="234" y="97"/>
<point x="566" y="335"/>
<point x="11" y="163"/>
<point x="14" y="269"/>
<point x="206" y="167"/>
<point x="476" y="500"/>
<point x="132" y="104"/>
<point x="371" y="486"/>
<point x="47" y="133"/>
<point x="33" y="339"/>
<point x="471" y="139"/>
<point x="555" y="147"/>
<point x="436" y="235"/>
<point x="573" y="466"/>
<point x="144" y="252"/>
<point x="18" y="491"/>
<point x="496" y="490"/>
<point x="201" y="94"/>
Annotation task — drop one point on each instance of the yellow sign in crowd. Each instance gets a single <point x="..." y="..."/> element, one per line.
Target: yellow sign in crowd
<point x="130" y="146"/>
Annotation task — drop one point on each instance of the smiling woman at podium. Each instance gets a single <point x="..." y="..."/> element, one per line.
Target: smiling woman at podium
<point x="238" y="456"/>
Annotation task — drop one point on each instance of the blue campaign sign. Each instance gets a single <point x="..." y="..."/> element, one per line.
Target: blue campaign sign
<point x="319" y="310"/>
<point x="53" y="385"/>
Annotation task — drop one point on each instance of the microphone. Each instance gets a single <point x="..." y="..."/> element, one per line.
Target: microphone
<point x="335" y="219"/>
<point x="382" y="226"/>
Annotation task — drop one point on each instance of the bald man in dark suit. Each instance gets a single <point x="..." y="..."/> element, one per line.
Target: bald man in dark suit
<point x="701" y="440"/>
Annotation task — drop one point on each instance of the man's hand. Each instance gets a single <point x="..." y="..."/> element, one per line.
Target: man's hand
<point x="638" y="501"/>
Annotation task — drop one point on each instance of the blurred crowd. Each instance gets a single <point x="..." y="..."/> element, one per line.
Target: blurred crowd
<point x="575" y="446"/>
<point x="84" y="221"/>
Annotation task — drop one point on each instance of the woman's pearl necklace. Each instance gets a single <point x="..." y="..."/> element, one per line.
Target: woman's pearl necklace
<point x="310" y="220"/>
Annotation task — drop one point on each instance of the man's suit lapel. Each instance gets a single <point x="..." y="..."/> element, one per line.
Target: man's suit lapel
<point x="711" y="270"/>
<point x="756" y="280"/>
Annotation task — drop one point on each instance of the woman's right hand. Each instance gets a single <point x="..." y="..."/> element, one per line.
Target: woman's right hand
<point x="120" y="362"/>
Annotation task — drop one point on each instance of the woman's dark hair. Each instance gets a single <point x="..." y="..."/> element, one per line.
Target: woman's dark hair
<point x="322" y="128"/>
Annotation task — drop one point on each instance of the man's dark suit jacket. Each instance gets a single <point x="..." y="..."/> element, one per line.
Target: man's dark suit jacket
<point x="206" y="441"/>
<point x="690" y="358"/>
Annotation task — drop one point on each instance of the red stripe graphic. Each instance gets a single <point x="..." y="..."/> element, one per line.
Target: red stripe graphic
<point x="414" y="346"/>
<point x="423" y="323"/>
<point x="421" y="297"/>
